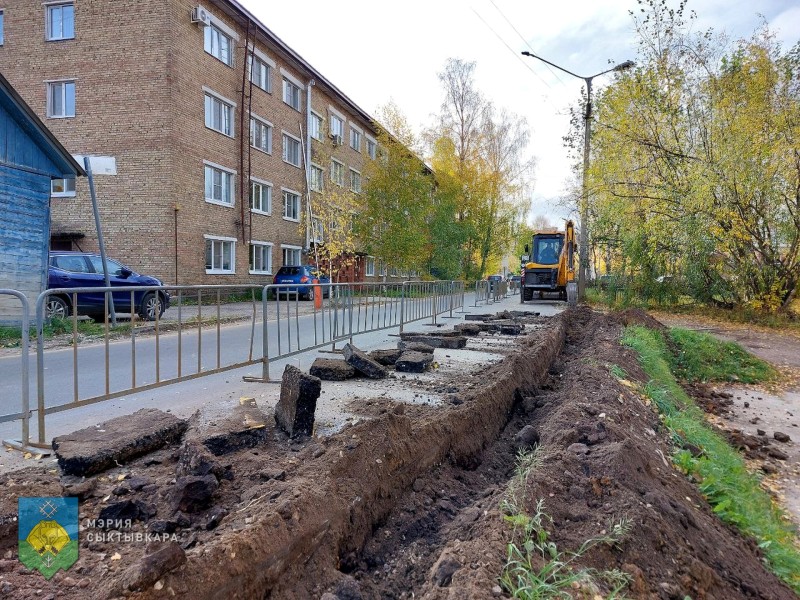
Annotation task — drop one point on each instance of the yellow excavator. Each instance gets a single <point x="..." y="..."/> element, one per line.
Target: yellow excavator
<point x="548" y="265"/>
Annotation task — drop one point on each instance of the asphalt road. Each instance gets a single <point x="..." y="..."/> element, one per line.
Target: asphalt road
<point x="184" y="398"/>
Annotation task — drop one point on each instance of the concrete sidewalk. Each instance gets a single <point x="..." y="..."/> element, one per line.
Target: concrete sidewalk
<point x="222" y="391"/>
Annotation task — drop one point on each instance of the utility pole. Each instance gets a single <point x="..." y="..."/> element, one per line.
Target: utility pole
<point x="583" y="249"/>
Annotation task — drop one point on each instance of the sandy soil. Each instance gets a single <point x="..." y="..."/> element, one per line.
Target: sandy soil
<point x="406" y="502"/>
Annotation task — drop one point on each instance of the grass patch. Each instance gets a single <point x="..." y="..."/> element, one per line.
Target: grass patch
<point x="536" y="568"/>
<point x="702" y="357"/>
<point x="733" y="492"/>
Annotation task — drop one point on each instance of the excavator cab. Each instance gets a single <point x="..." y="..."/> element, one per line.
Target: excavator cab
<point x="549" y="264"/>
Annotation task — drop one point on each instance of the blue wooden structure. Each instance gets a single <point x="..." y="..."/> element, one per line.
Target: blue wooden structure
<point x="30" y="156"/>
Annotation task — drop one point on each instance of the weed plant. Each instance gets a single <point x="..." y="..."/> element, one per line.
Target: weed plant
<point x="732" y="491"/>
<point x="535" y="568"/>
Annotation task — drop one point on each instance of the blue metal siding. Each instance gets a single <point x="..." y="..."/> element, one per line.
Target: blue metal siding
<point x="24" y="236"/>
<point x="18" y="148"/>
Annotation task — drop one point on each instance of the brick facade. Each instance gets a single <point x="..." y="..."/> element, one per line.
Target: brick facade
<point x="141" y="80"/>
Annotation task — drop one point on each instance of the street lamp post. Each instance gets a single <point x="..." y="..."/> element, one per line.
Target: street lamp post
<point x="587" y="136"/>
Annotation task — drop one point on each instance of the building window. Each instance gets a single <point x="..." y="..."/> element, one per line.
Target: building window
<point x="220" y="255"/>
<point x="291" y="205"/>
<point x="1" y="27"/>
<point x="261" y="197"/>
<point x="337" y="126"/>
<point x="260" y="258"/>
<point x="317" y="175"/>
<point x="261" y="74"/>
<point x="61" y="99"/>
<point x="317" y="231"/>
<point x="291" y="150"/>
<point x="218" y="44"/>
<point x="291" y="94"/>
<point x="291" y="255"/>
<point x="370" y="266"/>
<point x="261" y="135"/>
<point x="315" y="126"/>
<point x="219" y="115"/>
<point x="355" y="181"/>
<point x="60" y="188"/>
<point x="60" y="21"/>
<point x="219" y="185"/>
<point x="337" y="172"/>
<point x="355" y="139"/>
<point x="372" y="148"/>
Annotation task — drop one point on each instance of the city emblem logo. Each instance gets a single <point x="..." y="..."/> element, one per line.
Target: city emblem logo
<point x="48" y="533"/>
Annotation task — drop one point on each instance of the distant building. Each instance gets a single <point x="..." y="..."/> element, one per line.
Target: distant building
<point x="30" y="158"/>
<point x="217" y="130"/>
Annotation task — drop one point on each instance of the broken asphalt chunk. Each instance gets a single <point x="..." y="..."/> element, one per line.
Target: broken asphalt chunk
<point x="294" y="412"/>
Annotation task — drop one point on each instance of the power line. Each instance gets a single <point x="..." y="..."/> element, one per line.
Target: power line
<point x="524" y="41"/>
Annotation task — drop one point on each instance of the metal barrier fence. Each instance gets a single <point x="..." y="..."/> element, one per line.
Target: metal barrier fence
<point x="189" y="340"/>
<point x="25" y="412"/>
<point x="490" y="291"/>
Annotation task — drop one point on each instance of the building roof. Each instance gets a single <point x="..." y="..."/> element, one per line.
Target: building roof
<point x="39" y="133"/>
<point x="240" y="13"/>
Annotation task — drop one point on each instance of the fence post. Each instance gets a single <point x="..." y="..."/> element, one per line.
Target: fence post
<point x="264" y="335"/>
<point x="402" y="305"/>
<point x="25" y="342"/>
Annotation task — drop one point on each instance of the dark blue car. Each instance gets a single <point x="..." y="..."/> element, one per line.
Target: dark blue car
<point x="81" y="270"/>
<point x="302" y="279"/>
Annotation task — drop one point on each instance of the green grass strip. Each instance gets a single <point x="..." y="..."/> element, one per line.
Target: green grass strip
<point x="702" y="357"/>
<point x="732" y="491"/>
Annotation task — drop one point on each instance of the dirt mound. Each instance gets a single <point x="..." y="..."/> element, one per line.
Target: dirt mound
<point x="637" y="316"/>
<point x="406" y="503"/>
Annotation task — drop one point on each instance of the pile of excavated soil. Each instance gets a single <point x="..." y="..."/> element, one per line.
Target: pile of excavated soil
<point x="405" y="504"/>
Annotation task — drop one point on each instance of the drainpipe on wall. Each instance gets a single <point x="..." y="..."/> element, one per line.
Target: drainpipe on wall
<point x="311" y="84"/>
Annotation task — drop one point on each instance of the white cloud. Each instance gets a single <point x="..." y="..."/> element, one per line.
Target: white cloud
<point x="376" y="51"/>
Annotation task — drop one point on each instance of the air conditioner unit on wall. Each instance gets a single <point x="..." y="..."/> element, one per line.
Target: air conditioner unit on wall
<point x="337" y="140"/>
<point x="200" y="15"/>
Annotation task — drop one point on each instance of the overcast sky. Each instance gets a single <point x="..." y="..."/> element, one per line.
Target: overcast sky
<point x="376" y="51"/>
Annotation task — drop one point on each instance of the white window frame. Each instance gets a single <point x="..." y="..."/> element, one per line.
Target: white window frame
<point x="340" y="181"/>
<point x="316" y="178"/>
<point x="317" y="231"/>
<point x="284" y="194"/>
<point x="222" y="240"/>
<point x="315" y="125"/>
<point x="293" y="249"/>
<point x="64" y="84"/>
<point x="268" y="65"/>
<point x="355" y="138"/>
<point x="231" y="183"/>
<point x="256" y="121"/>
<point x="250" y="259"/>
<point x="66" y="192"/>
<point x="215" y="50"/>
<point x="372" y="147"/>
<point x="289" y="96"/>
<point x="49" y="9"/>
<point x="355" y="177"/>
<point x="336" y="125"/>
<point x="266" y="187"/>
<point x="2" y="26"/>
<point x="369" y="267"/>
<point x="296" y="140"/>
<point x="210" y="101"/>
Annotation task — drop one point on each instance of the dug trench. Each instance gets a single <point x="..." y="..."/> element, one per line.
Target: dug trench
<point x="406" y="504"/>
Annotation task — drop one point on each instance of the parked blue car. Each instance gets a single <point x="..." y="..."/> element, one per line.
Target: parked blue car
<point x="82" y="269"/>
<point x="302" y="277"/>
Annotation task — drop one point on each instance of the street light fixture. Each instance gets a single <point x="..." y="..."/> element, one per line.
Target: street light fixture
<point x="587" y="135"/>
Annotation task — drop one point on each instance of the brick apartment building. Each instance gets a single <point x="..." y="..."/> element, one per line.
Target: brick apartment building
<point x="206" y="117"/>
